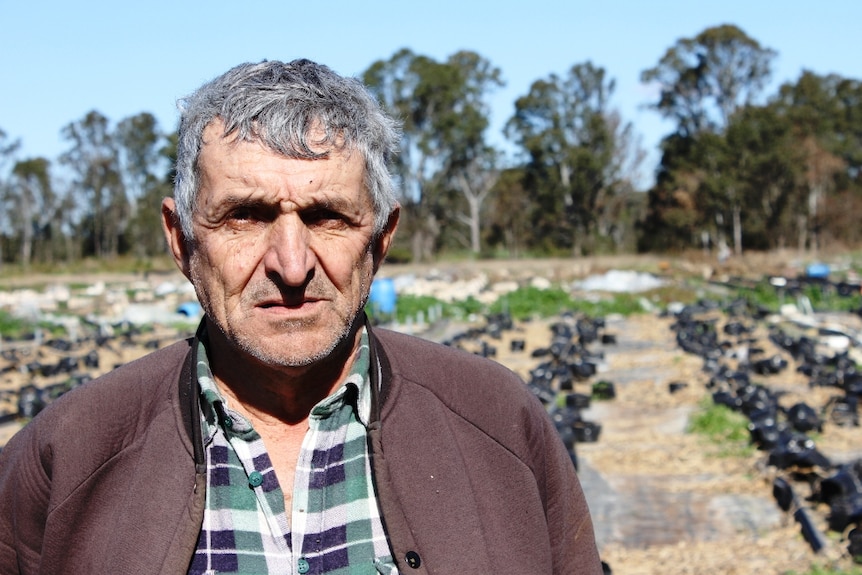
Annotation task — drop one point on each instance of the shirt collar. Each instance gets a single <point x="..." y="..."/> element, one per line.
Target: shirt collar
<point x="354" y="391"/>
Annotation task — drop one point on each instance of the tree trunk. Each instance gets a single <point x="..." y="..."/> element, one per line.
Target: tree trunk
<point x="475" y="204"/>
<point x="26" y="232"/>
<point x="802" y="230"/>
<point x="737" y="230"/>
<point x="814" y="195"/>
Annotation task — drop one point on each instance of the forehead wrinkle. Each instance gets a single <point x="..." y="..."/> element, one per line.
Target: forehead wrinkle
<point x="244" y="185"/>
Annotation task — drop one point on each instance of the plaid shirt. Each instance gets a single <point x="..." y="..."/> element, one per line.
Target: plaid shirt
<point x="334" y="526"/>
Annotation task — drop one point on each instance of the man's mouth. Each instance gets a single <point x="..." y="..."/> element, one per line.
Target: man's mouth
<point x="289" y="303"/>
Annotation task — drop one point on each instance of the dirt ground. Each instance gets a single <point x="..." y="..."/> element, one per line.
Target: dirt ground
<point x="663" y="501"/>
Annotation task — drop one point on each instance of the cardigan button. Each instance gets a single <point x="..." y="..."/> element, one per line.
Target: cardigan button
<point x="302" y="565"/>
<point x="413" y="560"/>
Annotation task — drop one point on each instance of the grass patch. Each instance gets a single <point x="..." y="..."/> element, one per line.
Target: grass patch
<point x="16" y="328"/>
<point x="412" y="307"/>
<point x="529" y="302"/>
<point x="722" y="427"/>
<point x="12" y="327"/>
<point x="820" y="570"/>
<point x="822" y="297"/>
<point x="523" y="303"/>
<point x="119" y="264"/>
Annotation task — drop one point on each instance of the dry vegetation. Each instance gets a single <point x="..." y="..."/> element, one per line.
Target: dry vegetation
<point x="664" y="500"/>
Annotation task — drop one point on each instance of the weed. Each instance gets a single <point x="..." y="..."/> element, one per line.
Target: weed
<point x="722" y="427"/>
<point x="822" y="297"/>
<point x="821" y="570"/>
<point x="411" y="307"/>
<point x="528" y="302"/>
<point x="531" y="301"/>
<point x="12" y="327"/>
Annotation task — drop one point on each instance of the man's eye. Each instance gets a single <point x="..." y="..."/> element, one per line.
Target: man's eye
<point x="241" y="214"/>
<point x="250" y="214"/>
<point x="322" y="217"/>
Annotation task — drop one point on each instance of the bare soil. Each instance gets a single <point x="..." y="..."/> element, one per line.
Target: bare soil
<point x="664" y="501"/>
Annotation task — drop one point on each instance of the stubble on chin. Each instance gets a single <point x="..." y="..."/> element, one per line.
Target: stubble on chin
<point x="306" y="342"/>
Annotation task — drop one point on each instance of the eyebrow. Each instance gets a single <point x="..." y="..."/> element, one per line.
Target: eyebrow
<point x="336" y="203"/>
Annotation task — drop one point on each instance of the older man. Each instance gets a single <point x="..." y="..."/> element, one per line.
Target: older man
<point x="288" y="436"/>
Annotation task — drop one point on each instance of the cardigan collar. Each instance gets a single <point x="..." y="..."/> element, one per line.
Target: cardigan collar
<point x="189" y="391"/>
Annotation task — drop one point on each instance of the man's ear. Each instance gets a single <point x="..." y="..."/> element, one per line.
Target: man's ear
<point x="384" y="239"/>
<point x="174" y="236"/>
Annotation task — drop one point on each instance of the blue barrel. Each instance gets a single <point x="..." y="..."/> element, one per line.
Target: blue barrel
<point x="382" y="296"/>
<point x="817" y="270"/>
<point x="190" y="309"/>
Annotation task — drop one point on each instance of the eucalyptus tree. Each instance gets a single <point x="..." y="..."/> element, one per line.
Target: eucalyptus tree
<point x="826" y="117"/>
<point x="508" y="213"/>
<point x="474" y="165"/>
<point x="143" y="163"/>
<point x="444" y="115"/>
<point x="575" y="142"/>
<point x="703" y="81"/>
<point x="31" y="197"/>
<point x="762" y="159"/>
<point x="138" y="141"/>
<point x="93" y="159"/>
<point x="7" y="150"/>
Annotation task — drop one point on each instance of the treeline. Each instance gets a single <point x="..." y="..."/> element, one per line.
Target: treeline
<point x="103" y="201"/>
<point x="742" y="169"/>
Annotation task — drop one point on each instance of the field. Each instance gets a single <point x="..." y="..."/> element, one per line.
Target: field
<point x="664" y="499"/>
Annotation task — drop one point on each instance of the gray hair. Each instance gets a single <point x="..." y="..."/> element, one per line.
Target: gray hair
<point x="278" y="104"/>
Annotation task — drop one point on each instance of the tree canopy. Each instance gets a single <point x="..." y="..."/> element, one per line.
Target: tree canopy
<point x="741" y="169"/>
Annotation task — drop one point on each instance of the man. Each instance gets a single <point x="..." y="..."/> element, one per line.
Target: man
<point x="288" y="436"/>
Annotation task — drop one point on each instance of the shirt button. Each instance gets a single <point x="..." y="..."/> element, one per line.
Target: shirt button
<point x="255" y="479"/>
<point x="302" y="565"/>
<point x="413" y="559"/>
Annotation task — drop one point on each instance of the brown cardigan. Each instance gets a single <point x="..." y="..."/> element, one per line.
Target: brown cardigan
<point x="471" y="475"/>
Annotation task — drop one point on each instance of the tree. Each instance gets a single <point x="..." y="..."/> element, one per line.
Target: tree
<point x="474" y="164"/>
<point x="138" y="141"/>
<point x="575" y="144"/>
<point x="820" y="169"/>
<point x="825" y="113"/>
<point x="94" y="160"/>
<point x="509" y="208"/>
<point x="144" y="152"/>
<point x="703" y="80"/>
<point x="7" y="151"/>
<point x="769" y="175"/>
<point x="33" y="200"/>
<point x="445" y="116"/>
<point x="828" y="108"/>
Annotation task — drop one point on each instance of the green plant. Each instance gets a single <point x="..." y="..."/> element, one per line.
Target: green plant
<point x="621" y="304"/>
<point x="822" y="297"/>
<point x="531" y="301"/>
<point x="12" y="327"/>
<point x="821" y="570"/>
<point x="722" y="427"/>
<point x="527" y="302"/>
<point x="409" y="307"/>
<point x="523" y="303"/>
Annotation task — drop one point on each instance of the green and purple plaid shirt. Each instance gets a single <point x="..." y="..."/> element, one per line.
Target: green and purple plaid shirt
<point x="334" y="526"/>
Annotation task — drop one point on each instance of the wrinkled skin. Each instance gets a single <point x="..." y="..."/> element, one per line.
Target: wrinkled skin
<point x="283" y="256"/>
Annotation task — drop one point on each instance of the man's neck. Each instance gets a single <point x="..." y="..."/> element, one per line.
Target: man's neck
<point x="274" y="395"/>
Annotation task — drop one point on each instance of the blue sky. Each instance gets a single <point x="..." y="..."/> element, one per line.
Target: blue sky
<point x="59" y="60"/>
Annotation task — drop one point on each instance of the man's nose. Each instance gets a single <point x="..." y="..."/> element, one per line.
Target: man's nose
<point x="289" y="254"/>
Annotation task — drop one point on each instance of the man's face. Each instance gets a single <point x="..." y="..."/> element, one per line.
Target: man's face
<point x="284" y="251"/>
